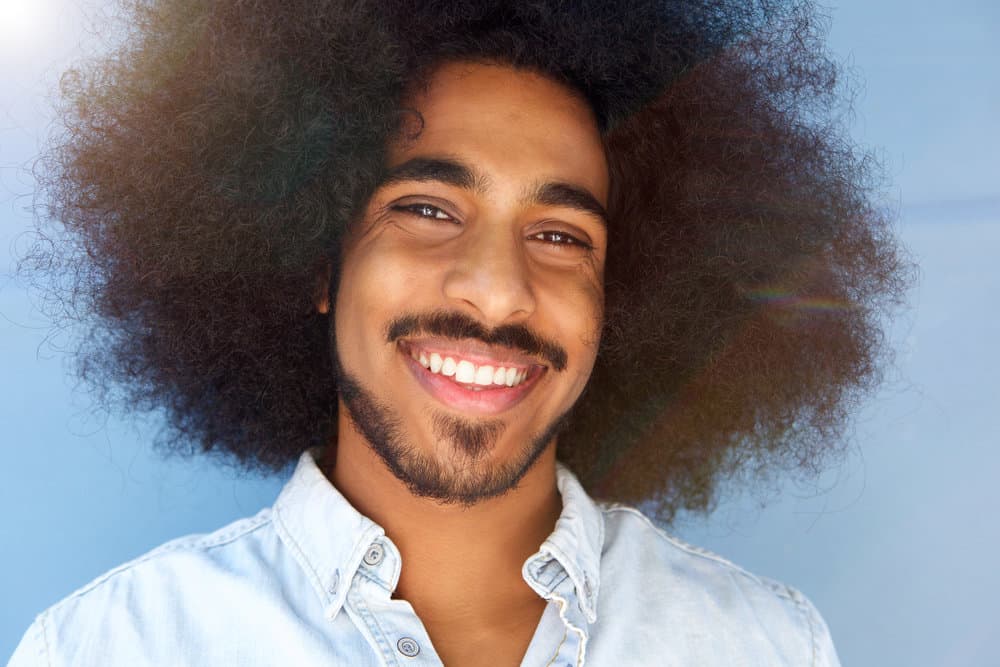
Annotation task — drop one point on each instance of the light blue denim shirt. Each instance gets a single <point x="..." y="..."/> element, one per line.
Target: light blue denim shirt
<point x="310" y="581"/>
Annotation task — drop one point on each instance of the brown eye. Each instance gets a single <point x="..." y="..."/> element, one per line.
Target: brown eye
<point x="424" y="211"/>
<point x="558" y="238"/>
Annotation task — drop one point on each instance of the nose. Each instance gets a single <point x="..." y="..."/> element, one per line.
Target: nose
<point x="490" y="277"/>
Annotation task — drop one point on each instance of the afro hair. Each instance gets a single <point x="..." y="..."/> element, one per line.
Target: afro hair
<point x="206" y="169"/>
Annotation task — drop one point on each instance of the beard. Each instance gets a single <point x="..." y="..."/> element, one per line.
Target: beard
<point x="467" y="475"/>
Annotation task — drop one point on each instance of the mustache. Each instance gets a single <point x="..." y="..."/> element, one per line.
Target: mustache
<point x="459" y="326"/>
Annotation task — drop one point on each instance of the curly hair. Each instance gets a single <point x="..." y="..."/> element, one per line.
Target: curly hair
<point x="206" y="169"/>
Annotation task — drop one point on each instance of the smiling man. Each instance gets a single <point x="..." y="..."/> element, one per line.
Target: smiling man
<point x="468" y="314"/>
<point x="486" y="271"/>
<point x="468" y="309"/>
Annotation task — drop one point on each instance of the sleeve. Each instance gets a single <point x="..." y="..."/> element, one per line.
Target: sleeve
<point x="33" y="649"/>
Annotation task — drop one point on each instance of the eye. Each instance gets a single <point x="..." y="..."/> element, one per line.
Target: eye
<point x="423" y="211"/>
<point x="560" y="239"/>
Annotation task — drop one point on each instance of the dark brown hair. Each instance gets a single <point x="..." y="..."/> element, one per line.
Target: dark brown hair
<point x="206" y="170"/>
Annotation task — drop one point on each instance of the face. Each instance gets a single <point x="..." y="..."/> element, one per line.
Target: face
<point x="470" y="299"/>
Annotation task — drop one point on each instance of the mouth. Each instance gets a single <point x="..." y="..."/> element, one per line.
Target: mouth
<point x="467" y="378"/>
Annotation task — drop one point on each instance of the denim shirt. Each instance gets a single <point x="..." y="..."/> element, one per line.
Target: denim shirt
<point x="310" y="582"/>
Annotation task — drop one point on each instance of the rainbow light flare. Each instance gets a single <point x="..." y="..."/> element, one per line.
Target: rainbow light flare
<point x="785" y="298"/>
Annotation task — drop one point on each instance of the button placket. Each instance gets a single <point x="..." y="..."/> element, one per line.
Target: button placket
<point x="399" y="635"/>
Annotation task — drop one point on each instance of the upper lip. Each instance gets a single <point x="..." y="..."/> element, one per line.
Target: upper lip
<point x="475" y="351"/>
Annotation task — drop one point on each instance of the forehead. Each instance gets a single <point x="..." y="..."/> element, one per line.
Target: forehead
<point x="509" y="122"/>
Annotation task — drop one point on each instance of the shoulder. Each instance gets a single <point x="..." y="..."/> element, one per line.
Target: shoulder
<point x="188" y="556"/>
<point x="628" y="529"/>
<point x="152" y="596"/>
<point x="708" y="596"/>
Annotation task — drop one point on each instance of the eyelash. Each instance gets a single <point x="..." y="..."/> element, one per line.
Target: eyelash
<point x="570" y="239"/>
<point x="430" y="212"/>
<point x="422" y="211"/>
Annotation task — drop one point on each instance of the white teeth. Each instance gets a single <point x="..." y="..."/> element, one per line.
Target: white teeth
<point x="465" y="372"/>
<point x="484" y="375"/>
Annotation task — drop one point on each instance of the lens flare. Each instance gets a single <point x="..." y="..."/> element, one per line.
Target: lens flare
<point x="788" y="299"/>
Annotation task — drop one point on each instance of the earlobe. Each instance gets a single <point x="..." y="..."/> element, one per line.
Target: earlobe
<point x="321" y="290"/>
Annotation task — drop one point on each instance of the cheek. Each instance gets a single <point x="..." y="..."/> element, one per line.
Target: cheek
<point x="378" y="282"/>
<point x="589" y="323"/>
<point x="575" y="311"/>
<point x="576" y="299"/>
<point x="358" y="310"/>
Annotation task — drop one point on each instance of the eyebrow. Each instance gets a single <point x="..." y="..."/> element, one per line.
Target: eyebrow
<point x="461" y="175"/>
<point x="443" y="170"/>
<point x="569" y="196"/>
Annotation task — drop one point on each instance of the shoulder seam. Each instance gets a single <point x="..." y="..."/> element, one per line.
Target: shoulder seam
<point x="690" y="548"/>
<point x="800" y="604"/>
<point x="778" y="589"/>
<point x="46" y="653"/>
<point x="797" y="598"/>
<point x="238" y="529"/>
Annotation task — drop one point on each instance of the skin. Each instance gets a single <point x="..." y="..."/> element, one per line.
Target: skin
<point x="498" y="254"/>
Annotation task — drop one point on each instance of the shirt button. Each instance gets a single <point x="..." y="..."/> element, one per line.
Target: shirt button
<point x="408" y="647"/>
<point x="374" y="554"/>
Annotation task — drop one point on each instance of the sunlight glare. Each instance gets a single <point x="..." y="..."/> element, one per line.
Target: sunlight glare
<point x="21" y="23"/>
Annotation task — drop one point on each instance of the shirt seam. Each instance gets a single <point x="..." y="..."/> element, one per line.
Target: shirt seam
<point x="373" y="578"/>
<point x="801" y="606"/>
<point x="555" y="655"/>
<point x="779" y="590"/>
<point x="583" y="602"/>
<point x="285" y="535"/>
<point x="360" y="605"/>
<point x="563" y="605"/>
<point x="700" y="552"/>
<point x="46" y="652"/>
<point x="191" y="543"/>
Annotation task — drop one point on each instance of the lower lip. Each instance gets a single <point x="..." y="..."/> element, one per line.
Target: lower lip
<point x="490" y="400"/>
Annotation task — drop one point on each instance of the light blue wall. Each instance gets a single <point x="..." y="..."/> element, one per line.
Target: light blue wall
<point x="895" y="547"/>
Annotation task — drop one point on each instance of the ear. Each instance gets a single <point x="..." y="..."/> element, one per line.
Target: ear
<point x="321" y="290"/>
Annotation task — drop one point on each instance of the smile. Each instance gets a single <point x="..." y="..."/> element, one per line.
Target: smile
<point x="470" y="378"/>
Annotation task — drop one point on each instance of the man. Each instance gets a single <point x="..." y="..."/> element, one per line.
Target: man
<point x="427" y="249"/>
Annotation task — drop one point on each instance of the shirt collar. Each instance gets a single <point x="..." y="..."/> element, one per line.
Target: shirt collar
<point x="329" y="538"/>
<point x="326" y="535"/>
<point x="573" y="549"/>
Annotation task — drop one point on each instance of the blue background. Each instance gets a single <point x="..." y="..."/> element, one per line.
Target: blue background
<point x="896" y="546"/>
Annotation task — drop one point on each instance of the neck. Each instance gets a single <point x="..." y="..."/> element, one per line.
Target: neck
<point x="481" y="548"/>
